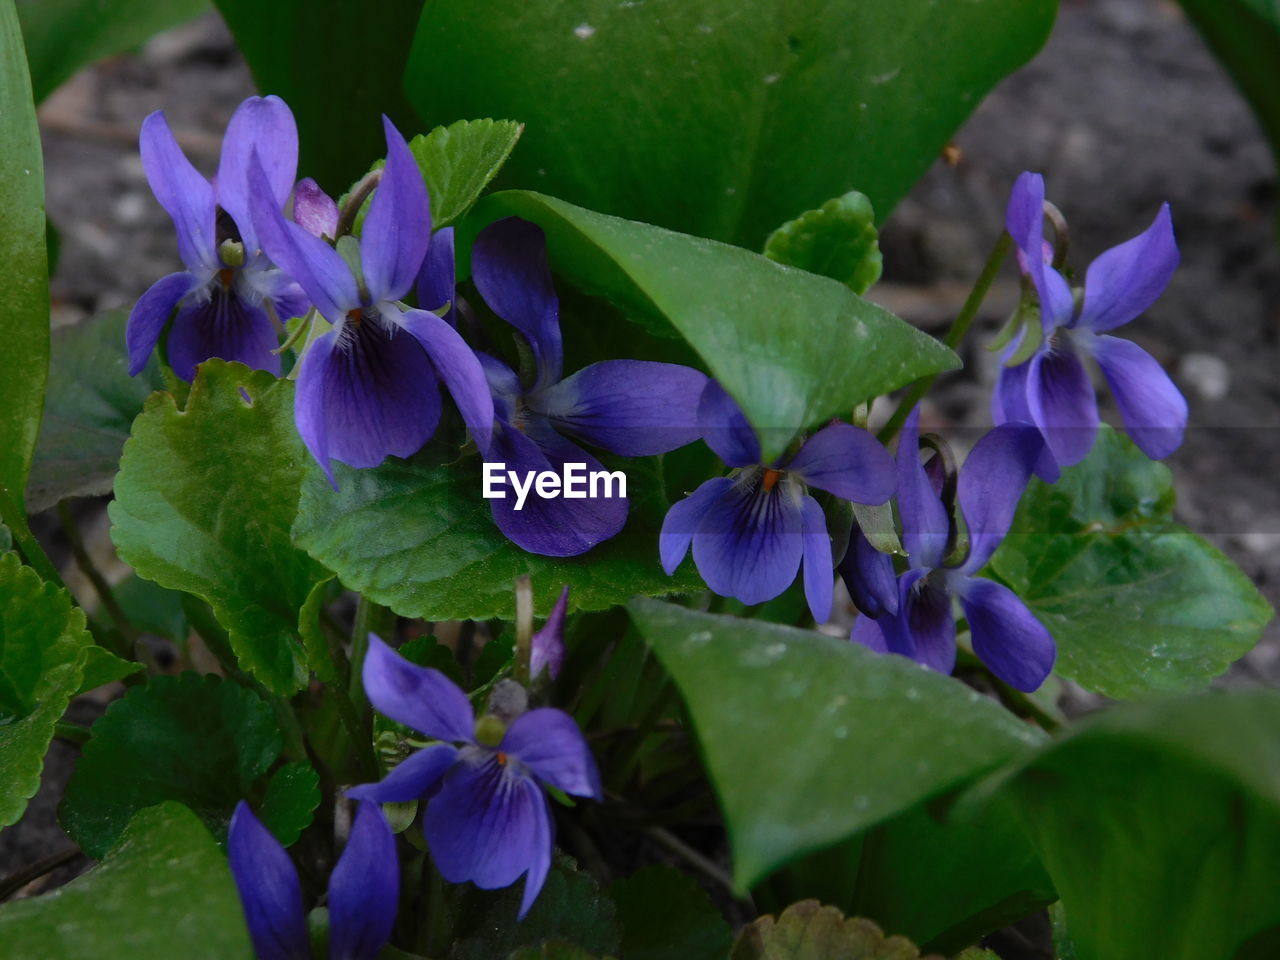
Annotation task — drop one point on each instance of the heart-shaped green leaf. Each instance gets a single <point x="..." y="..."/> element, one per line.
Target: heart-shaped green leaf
<point x="164" y="884"/>
<point x="809" y="739"/>
<point x="1136" y="603"/>
<point x="721" y="120"/>
<point x="205" y="499"/>
<point x="794" y="349"/>
<point x="838" y="240"/>
<point x="43" y="645"/>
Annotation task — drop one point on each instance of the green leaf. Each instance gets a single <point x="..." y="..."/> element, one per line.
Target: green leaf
<point x="457" y="163"/>
<point x="338" y="113"/>
<point x="665" y="915"/>
<point x="809" y="931"/>
<point x="24" y="294"/>
<point x="720" y="120"/>
<point x="311" y="629"/>
<point x="293" y="794"/>
<point x="946" y="881"/>
<point x="195" y="739"/>
<point x="419" y="539"/>
<point x="101" y="667"/>
<point x="153" y="609"/>
<point x="64" y="35"/>
<point x="89" y="404"/>
<point x="1245" y="35"/>
<point x="809" y="739"/>
<point x="569" y="910"/>
<point x="1131" y="804"/>
<point x="204" y="502"/>
<point x="838" y="240"/>
<point x="555" y="950"/>
<point x="792" y="348"/>
<point x="165" y="883"/>
<point x="1136" y="603"/>
<point x="43" y="644"/>
<point x="427" y="651"/>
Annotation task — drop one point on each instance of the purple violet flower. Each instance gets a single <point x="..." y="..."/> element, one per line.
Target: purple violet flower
<point x="370" y="388"/>
<point x="634" y="408"/>
<point x="751" y="530"/>
<point x="222" y="295"/>
<point x="1006" y="636"/>
<point x="487" y="820"/>
<point x="364" y="889"/>
<point x="1052" y="389"/>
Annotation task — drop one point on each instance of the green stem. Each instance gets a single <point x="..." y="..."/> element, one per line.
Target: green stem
<point x="370" y="618"/>
<point x="90" y="570"/>
<point x="524" y="628"/>
<point x="15" y="518"/>
<point x="71" y="732"/>
<point x="964" y="319"/>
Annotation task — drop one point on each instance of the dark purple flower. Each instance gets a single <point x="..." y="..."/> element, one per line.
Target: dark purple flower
<point x="751" y="530"/>
<point x="487" y="820"/>
<point x="1053" y="389"/>
<point x="370" y="388"/>
<point x="634" y="408"/>
<point x="221" y="297"/>
<point x="364" y="889"/>
<point x="1006" y="636"/>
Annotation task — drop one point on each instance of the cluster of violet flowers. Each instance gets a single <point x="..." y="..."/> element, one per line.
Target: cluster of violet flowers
<point x="261" y="248"/>
<point x="753" y="530"/>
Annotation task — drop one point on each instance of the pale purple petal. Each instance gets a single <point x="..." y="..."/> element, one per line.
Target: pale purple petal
<point x="398" y="228"/>
<point x="1063" y="404"/>
<point x="869" y="576"/>
<point x="1153" y="409"/>
<point x="269" y="890"/>
<point x="226" y="326"/>
<point x="991" y="484"/>
<point x="151" y="313"/>
<point x="818" y="562"/>
<point x="185" y="195"/>
<point x="1024" y="219"/>
<point x="369" y="394"/>
<point x="315" y="265"/>
<point x="487" y="823"/>
<point x="458" y="368"/>
<point x="417" y="776"/>
<point x="503" y="384"/>
<point x="540" y="860"/>
<point x="547" y="646"/>
<point x="1127" y="279"/>
<point x="314" y="210"/>
<point x="925" y="525"/>
<point x="1009" y="404"/>
<point x="549" y="743"/>
<point x="364" y="889"/>
<point x="509" y="268"/>
<point x="1007" y="637"/>
<point x="725" y="429"/>
<point x="553" y="526"/>
<point x="264" y="125"/>
<point x="415" y="696"/>
<point x="867" y="632"/>
<point x="1024" y="216"/>
<point x="636" y="408"/>
<point x="683" y="520"/>
<point x="437" y="284"/>
<point x="847" y="461"/>
<point x="926" y="618"/>
<point x="750" y="543"/>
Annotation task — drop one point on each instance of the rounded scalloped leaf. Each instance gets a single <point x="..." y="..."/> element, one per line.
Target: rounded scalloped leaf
<point x="810" y="931"/>
<point x="196" y="739"/>
<point x="43" y="645"/>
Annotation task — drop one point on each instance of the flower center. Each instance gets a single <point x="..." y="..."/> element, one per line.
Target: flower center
<point x="227" y="276"/>
<point x="502" y="759"/>
<point x="771" y="478"/>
